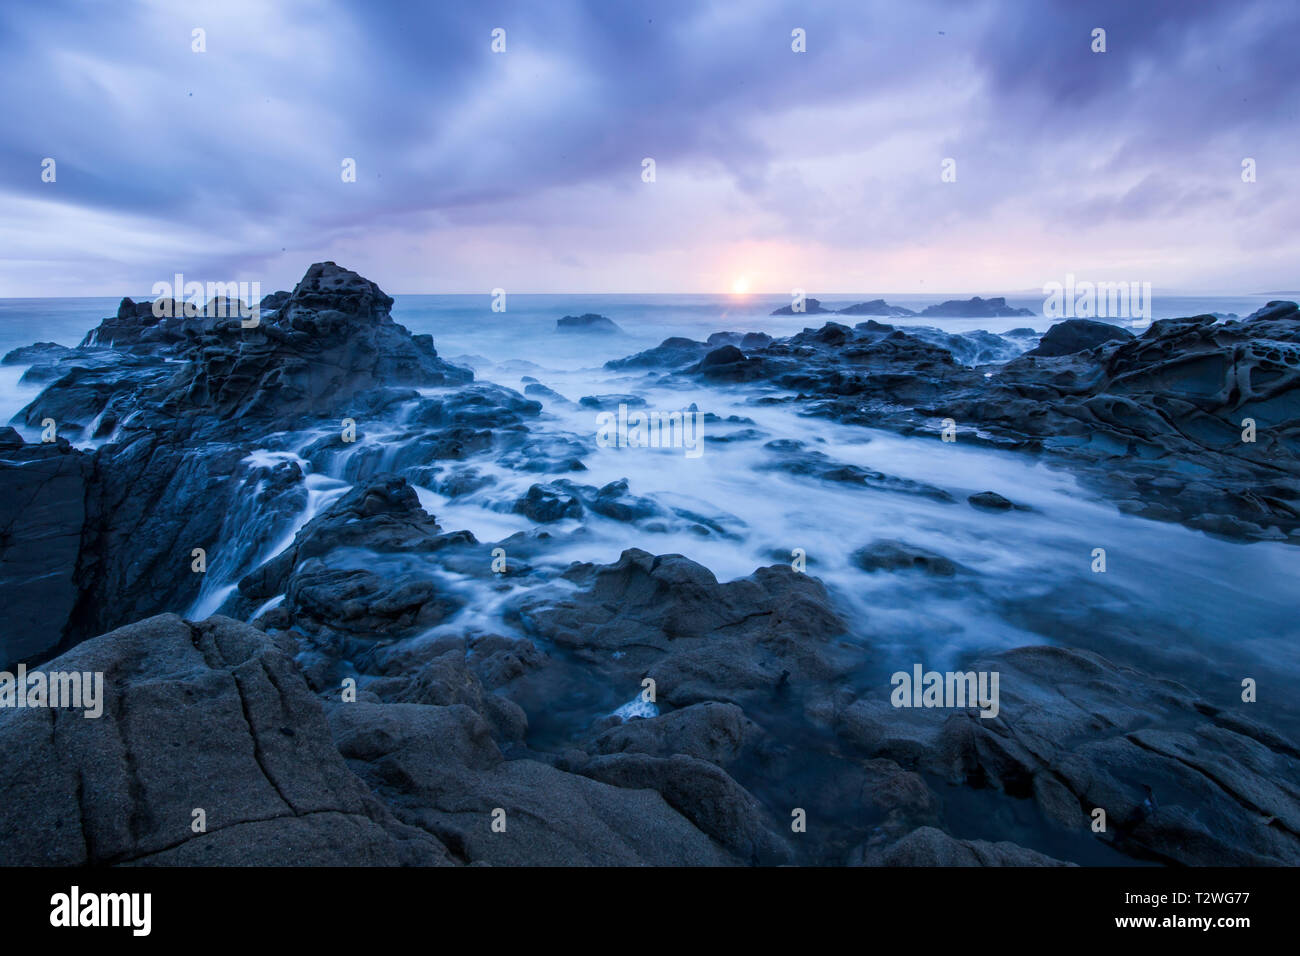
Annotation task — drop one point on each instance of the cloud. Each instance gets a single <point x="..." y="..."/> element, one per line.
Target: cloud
<point x="523" y="169"/>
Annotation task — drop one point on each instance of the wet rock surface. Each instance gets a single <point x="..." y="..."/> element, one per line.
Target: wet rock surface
<point x="209" y="716"/>
<point x="1196" y="420"/>
<point x="405" y="685"/>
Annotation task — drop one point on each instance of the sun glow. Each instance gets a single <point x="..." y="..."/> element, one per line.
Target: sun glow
<point x="741" y="285"/>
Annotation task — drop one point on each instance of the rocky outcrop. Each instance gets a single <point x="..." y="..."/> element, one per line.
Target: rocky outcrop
<point x="41" y="353"/>
<point x="1196" y="420"/>
<point x="212" y="751"/>
<point x="381" y="515"/>
<point x="876" y="307"/>
<point x="974" y="308"/>
<point x="1078" y="335"/>
<point x="670" y="618"/>
<point x="42" y="510"/>
<point x="207" y="717"/>
<point x="810" y="305"/>
<point x="332" y="340"/>
<point x="670" y="353"/>
<point x="589" y="323"/>
<point x="1180" y="780"/>
<point x="410" y="694"/>
<point x="441" y="772"/>
<point x="183" y="409"/>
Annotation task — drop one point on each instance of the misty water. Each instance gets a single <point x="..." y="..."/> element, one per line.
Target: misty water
<point x="1178" y="603"/>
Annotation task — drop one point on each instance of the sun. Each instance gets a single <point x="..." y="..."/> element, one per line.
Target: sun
<point x="741" y="285"/>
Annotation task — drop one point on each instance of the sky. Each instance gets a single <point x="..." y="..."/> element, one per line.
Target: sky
<point x="773" y="169"/>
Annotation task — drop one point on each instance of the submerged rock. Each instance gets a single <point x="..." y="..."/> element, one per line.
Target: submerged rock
<point x="549" y="502"/>
<point x="992" y="501"/>
<point x="889" y="555"/>
<point x="590" y="322"/>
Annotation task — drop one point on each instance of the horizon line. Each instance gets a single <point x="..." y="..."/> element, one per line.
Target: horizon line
<point x="727" y="294"/>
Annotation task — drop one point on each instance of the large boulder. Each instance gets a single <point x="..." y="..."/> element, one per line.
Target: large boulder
<point x="212" y="717"/>
<point x="1078" y="335"/>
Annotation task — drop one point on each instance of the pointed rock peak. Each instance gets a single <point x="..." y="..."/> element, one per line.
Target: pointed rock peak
<point x="329" y="287"/>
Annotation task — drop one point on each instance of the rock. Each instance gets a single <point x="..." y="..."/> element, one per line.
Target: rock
<point x="889" y="555"/>
<point x="928" y="846"/>
<point x="991" y="501"/>
<point x="871" y="325"/>
<point x="439" y="770"/>
<point x="331" y="340"/>
<point x="668" y="618"/>
<point x="209" y="715"/>
<point x="718" y="733"/>
<point x="670" y="353"/>
<point x="184" y="411"/>
<point x="615" y="501"/>
<point x="725" y="355"/>
<point x="546" y="503"/>
<point x="1076" y="731"/>
<point x="42" y="353"/>
<point x="1154" y="423"/>
<point x="587" y="323"/>
<point x="728" y="363"/>
<point x="538" y="390"/>
<point x="381" y="515"/>
<point x="1274" y="311"/>
<point x="1078" y="335"/>
<point x="974" y="308"/>
<point x="162" y="322"/>
<point x="876" y="307"/>
<point x="356" y="605"/>
<point x="795" y="459"/>
<point x="611" y="402"/>
<point x="274" y="301"/>
<point x="42" y="510"/>
<point x="811" y="306"/>
<point x="704" y="794"/>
